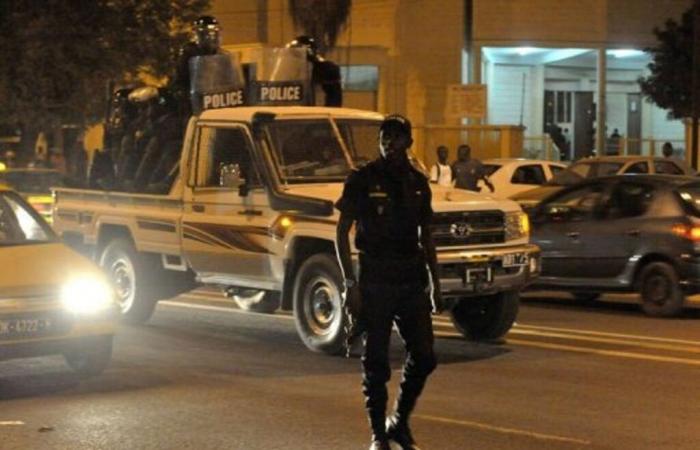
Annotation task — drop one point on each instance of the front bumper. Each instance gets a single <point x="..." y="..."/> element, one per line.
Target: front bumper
<point x="479" y="272"/>
<point x="68" y="331"/>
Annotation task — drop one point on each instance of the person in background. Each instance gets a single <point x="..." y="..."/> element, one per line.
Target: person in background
<point x="467" y="171"/>
<point x="667" y="150"/>
<point x="441" y="172"/>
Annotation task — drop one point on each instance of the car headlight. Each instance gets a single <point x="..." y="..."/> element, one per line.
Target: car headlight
<point x="86" y="296"/>
<point x="517" y="225"/>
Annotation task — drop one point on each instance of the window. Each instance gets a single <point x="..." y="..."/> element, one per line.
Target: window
<point x="585" y="169"/>
<point x="667" y="167"/>
<point x="218" y="147"/>
<point x="307" y="151"/>
<point x="532" y="174"/>
<point x="573" y="205"/>
<point x="19" y="224"/>
<point x="555" y="169"/>
<point x="628" y="200"/>
<point x="361" y="138"/>
<point x="639" y="167"/>
<point x="490" y="169"/>
<point x="360" y="77"/>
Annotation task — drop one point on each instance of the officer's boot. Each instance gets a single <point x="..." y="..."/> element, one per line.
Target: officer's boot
<point x="397" y="427"/>
<point x="375" y="401"/>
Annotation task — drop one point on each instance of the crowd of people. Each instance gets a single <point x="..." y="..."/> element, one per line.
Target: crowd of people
<point x="464" y="173"/>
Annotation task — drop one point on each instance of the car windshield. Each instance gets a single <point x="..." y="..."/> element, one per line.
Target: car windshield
<point x="490" y="169"/>
<point x="307" y="151"/>
<point x="31" y="181"/>
<point x="583" y="170"/>
<point x="19" y="224"/>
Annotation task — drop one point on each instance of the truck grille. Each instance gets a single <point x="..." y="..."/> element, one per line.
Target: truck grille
<point x="468" y="228"/>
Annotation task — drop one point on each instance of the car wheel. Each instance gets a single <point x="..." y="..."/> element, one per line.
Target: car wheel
<point x="90" y="356"/>
<point x="486" y="319"/>
<point x="318" y="312"/>
<point x="133" y="278"/>
<point x="253" y="300"/>
<point x="586" y="297"/>
<point x="660" y="290"/>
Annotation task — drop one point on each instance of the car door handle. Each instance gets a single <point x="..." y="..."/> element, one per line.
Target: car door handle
<point x="198" y="208"/>
<point x="633" y="233"/>
<point x="573" y="234"/>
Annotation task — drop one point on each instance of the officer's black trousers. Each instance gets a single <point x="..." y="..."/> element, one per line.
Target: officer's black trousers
<point x="409" y="306"/>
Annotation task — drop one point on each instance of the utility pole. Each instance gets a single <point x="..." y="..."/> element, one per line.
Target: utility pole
<point x="696" y="84"/>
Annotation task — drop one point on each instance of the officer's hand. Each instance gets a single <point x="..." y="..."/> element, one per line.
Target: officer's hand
<point x="436" y="299"/>
<point x="352" y="301"/>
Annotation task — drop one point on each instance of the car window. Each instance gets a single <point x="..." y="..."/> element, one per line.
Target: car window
<point x="530" y="174"/>
<point x="639" y="167"/>
<point x="585" y="169"/>
<point x="667" y="167"/>
<point x="218" y="147"/>
<point x="19" y="224"/>
<point x="360" y="137"/>
<point x="628" y="200"/>
<point x="572" y="205"/>
<point x="555" y="169"/>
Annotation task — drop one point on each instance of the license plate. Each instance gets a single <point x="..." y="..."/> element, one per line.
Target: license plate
<point x="24" y="327"/>
<point x="478" y="275"/>
<point x="514" y="260"/>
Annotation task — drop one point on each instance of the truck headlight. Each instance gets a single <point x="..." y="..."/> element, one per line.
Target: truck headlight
<point x="517" y="225"/>
<point x="86" y="296"/>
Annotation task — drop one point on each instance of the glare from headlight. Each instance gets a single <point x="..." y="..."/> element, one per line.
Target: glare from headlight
<point x="86" y="296"/>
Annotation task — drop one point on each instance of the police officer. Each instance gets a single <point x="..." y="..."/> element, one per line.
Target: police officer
<point x="207" y="40"/>
<point x="389" y="201"/>
<point x="324" y="73"/>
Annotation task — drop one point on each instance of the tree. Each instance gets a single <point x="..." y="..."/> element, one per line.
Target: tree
<point x="56" y="56"/>
<point x="669" y="84"/>
<point x="323" y="20"/>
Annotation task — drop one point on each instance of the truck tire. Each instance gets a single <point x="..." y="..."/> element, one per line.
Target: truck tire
<point x="253" y="300"/>
<point x="134" y="278"/>
<point x="660" y="290"/>
<point x="90" y="356"/>
<point x="318" y="313"/>
<point x="488" y="319"/>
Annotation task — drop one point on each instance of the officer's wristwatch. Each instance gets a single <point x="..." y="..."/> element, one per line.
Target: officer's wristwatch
<point x="349" y="282"/>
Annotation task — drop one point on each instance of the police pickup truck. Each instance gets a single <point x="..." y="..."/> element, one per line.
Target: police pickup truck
<point x="251" y="211"/>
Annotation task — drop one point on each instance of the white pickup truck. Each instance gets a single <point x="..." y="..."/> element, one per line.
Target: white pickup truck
<point x="252" y="212"/>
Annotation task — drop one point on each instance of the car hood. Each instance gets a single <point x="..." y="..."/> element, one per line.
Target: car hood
<point x="444" y="198"/>
<point x="39" y="269"/>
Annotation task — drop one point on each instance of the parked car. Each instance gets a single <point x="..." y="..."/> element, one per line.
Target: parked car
<point x="623" y="233"/>
<point x="52" y="300"/>
<point x="599" y="167"/>
<point x="35" y="186"/>
<point x="513" y="176"/>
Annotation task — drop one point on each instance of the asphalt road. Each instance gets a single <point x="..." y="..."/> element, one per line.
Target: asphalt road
<point x="203" y="375"/>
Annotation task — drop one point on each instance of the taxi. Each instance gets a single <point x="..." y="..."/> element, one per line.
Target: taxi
<point x="52" y="299"/>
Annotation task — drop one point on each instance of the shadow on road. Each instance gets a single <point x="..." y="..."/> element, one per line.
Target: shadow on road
<point x="605" y="306"/>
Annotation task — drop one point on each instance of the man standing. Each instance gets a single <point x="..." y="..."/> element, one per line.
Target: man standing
<point x="441" y="172"/>
<point x="467" y="171"/>
<point x="390" y="203"/>
<point x="667" y="150"/>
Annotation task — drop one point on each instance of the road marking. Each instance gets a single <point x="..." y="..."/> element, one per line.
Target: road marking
<point x="220" y="309"/>
<point x="602" y="333"/>
<point x="605" y="340"/>
<point x="614" y="353"/>
<point x="487" y="427"/>
<point x="11" y="423"/>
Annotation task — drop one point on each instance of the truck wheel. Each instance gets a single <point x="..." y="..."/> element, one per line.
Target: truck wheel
<point x="660" y="290"/>
<point x="488" y="319"/>
<point x="90" y="356"/>
<point x="265" y="302"/>
<point x="133" y="280"/>
<point x="318" y="311"/>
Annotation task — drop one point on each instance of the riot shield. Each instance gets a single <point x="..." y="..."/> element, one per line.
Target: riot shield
<point x="216" y="81"/>
<point x="280" y="76"/>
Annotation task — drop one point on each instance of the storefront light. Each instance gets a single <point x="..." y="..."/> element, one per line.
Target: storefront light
<point x="625" y="53"/>
<point x="524" y="51"/>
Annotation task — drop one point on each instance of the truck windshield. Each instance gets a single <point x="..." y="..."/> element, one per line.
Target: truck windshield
<point x="307" y="151"/>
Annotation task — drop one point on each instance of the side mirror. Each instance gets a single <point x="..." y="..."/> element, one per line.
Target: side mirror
<point x="232" y="176"/>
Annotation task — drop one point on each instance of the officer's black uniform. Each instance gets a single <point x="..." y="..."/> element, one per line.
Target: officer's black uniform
<point x="389" y="210"/>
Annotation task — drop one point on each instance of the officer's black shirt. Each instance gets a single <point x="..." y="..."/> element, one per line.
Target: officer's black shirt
<point x="388" y="209"/>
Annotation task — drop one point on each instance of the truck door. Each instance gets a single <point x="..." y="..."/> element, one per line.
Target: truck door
<point x="224" y="233"/>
